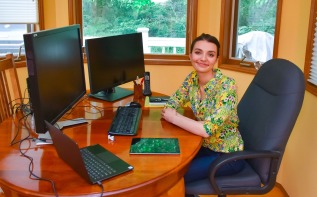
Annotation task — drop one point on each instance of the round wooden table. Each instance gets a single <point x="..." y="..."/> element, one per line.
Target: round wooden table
<point x="153" y="175"/>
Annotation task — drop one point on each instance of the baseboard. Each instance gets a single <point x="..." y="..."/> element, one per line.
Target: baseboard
<point x="281" y="188"/>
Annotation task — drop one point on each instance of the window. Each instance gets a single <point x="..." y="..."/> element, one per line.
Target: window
<point x="249" y="33"/>
<point x="310" y="69"/>
<point x="172" y="22"/>
<point x="11" y="38"/>
<point x="14" y="25"/>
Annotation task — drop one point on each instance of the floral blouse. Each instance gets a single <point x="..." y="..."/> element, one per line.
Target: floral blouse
<point x="218" y="110"/>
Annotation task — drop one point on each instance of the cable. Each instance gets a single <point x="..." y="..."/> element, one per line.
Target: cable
<point x="31" y="170"/>
<point x="27" y="111"/>
<point x="19" y="126"/>
<point x="18" y="130"/>
<point x="102" y="189"/>
<point x="99" y="109"/>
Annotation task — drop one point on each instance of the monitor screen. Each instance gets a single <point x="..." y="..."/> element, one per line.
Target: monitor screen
<point x="113" y="61"/>
<point x="56" y="79"/>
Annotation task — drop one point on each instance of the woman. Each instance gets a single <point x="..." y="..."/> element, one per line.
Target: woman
<point x="213" y="99"/>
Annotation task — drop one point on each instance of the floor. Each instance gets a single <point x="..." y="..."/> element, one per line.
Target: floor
<point x="277" y="191"/>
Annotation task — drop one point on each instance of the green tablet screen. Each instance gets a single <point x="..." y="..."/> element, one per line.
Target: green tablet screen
<point x="154" y="146"/>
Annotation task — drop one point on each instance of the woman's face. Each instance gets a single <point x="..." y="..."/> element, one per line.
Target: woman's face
<point x="204" y="56"/>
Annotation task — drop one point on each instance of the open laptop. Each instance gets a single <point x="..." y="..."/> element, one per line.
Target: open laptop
<point x="84" y="160"/>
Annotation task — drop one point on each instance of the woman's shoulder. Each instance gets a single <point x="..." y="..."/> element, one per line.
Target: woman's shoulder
<point x="192" y="76"/>
<point x="224" y="78"/>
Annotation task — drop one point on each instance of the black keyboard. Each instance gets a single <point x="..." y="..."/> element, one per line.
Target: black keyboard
<point x="126" y="121"/>
<point x="97" y="169"/>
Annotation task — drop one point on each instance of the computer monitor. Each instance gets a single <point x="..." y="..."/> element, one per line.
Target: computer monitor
<point x="56" y="79"/>
<point x="112" y="61"/>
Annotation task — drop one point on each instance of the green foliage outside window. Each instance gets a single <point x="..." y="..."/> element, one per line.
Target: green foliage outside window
<point x="113" y="17"/>
<point x="257" y="15"/>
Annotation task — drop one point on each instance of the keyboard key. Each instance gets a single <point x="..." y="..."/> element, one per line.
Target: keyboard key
<point x="126" y="121"/>
<point x="97" y="169"/>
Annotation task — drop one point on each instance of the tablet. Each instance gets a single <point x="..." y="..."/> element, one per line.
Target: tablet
<point x="154" y="146"/>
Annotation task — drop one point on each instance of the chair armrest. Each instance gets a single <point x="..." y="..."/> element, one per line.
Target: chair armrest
<point x="239" y="155"/>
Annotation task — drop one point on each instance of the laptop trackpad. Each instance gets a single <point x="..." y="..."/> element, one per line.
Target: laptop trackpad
<point x="102" y="153"/>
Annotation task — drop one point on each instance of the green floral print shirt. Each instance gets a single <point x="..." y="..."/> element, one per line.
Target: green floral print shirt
<point x="218" y="110"/>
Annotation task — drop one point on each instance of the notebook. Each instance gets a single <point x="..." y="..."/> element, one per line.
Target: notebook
<point x="158" y="100"/>
<point x="147" y="103"/>
<point x="82" y="160"/>
<point x="154" y="146"/>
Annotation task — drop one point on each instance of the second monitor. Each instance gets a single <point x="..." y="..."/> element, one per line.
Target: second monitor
<point x="113" y="61"/>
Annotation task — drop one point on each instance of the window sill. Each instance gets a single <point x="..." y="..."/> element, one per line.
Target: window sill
<point x="239" y="68"/>
<point x="167" y="62"/>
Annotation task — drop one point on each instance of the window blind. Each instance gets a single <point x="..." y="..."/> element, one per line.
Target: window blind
<point x="313" y="67"/>
<point x="19" y="12"/>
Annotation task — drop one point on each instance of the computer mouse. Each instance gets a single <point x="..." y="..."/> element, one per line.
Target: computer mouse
<point x="135" y="104"/>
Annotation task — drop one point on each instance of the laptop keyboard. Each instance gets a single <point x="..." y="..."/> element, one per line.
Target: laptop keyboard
<point x="97" y="169"/>
<point x="126" y="121"/>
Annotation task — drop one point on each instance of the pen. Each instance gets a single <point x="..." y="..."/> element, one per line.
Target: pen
<point x="137" y="80"/>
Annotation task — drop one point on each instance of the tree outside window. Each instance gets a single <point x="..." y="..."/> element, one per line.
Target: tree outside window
<point x="168" y="26"/>
<point x="160" y="21"/>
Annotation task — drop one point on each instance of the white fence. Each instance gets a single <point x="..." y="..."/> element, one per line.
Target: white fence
<point x="157" y="45"/>
<point x="163" y="43"/>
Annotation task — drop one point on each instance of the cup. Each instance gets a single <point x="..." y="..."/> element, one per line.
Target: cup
<point x="138" y="91"/>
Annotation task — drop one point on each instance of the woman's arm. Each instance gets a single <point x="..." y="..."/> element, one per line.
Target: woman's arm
<point x="193" y="126"/>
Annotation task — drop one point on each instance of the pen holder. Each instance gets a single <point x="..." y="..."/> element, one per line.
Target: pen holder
<point x="138" y="91"/>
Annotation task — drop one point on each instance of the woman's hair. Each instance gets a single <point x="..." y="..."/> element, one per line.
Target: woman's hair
<point x="208" y="38"/>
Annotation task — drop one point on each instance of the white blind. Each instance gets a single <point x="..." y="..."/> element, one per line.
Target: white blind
<point x="19" y="11"/>
<point x="313" y="67"/>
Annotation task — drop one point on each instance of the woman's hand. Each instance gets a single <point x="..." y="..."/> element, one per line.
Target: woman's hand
<point x="169" y="114"/>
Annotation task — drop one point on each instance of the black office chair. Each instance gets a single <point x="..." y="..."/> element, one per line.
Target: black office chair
<point x="268" y="111"/>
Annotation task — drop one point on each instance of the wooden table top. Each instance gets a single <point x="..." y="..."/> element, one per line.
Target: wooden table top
<point x="152" y="174"/>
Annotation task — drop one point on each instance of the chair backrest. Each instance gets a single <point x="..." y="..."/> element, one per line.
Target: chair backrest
<point x="7" y="66"/>
<point x="269" y="108"/>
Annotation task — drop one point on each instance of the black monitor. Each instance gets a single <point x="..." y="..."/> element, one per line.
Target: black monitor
<point x="56" y="79"/>
<point x="112" y="61"/>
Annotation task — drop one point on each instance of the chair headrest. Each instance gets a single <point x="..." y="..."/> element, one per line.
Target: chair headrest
<point x="279" y="76"/>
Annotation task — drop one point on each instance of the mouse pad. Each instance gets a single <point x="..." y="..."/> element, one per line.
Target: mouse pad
<point x="154" y="146"/>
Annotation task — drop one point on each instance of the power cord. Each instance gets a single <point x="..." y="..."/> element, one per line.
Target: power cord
<point x="102" y="189"/>
<point x="19" y="125"/>
<point x="27" y="111"/>
<point x="31" y="165"/>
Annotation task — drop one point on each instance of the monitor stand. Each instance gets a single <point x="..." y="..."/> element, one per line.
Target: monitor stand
<point x="45" y="138"/>
<point x="112" y="94"/>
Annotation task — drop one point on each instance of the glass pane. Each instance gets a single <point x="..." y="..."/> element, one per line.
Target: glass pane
<point x="162" y="22"/>
<point x="11" y="38"/>
<point x="255" y="30"/>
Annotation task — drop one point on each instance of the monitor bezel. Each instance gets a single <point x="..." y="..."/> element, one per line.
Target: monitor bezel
<point x="36" y="101"/>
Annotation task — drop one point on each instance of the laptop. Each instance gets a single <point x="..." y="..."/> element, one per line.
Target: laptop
<point x="154" y="146"/>
<point x="83" y="160"/>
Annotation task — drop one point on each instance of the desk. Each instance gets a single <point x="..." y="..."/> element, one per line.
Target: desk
<point x="153" y="175"/>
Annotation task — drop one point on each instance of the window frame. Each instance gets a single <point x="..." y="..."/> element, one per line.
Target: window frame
<point x="75" y="17"/>
<point x="41" y="15"/>
<point x="227" y="26"/>
<point x="309" y="47"/>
